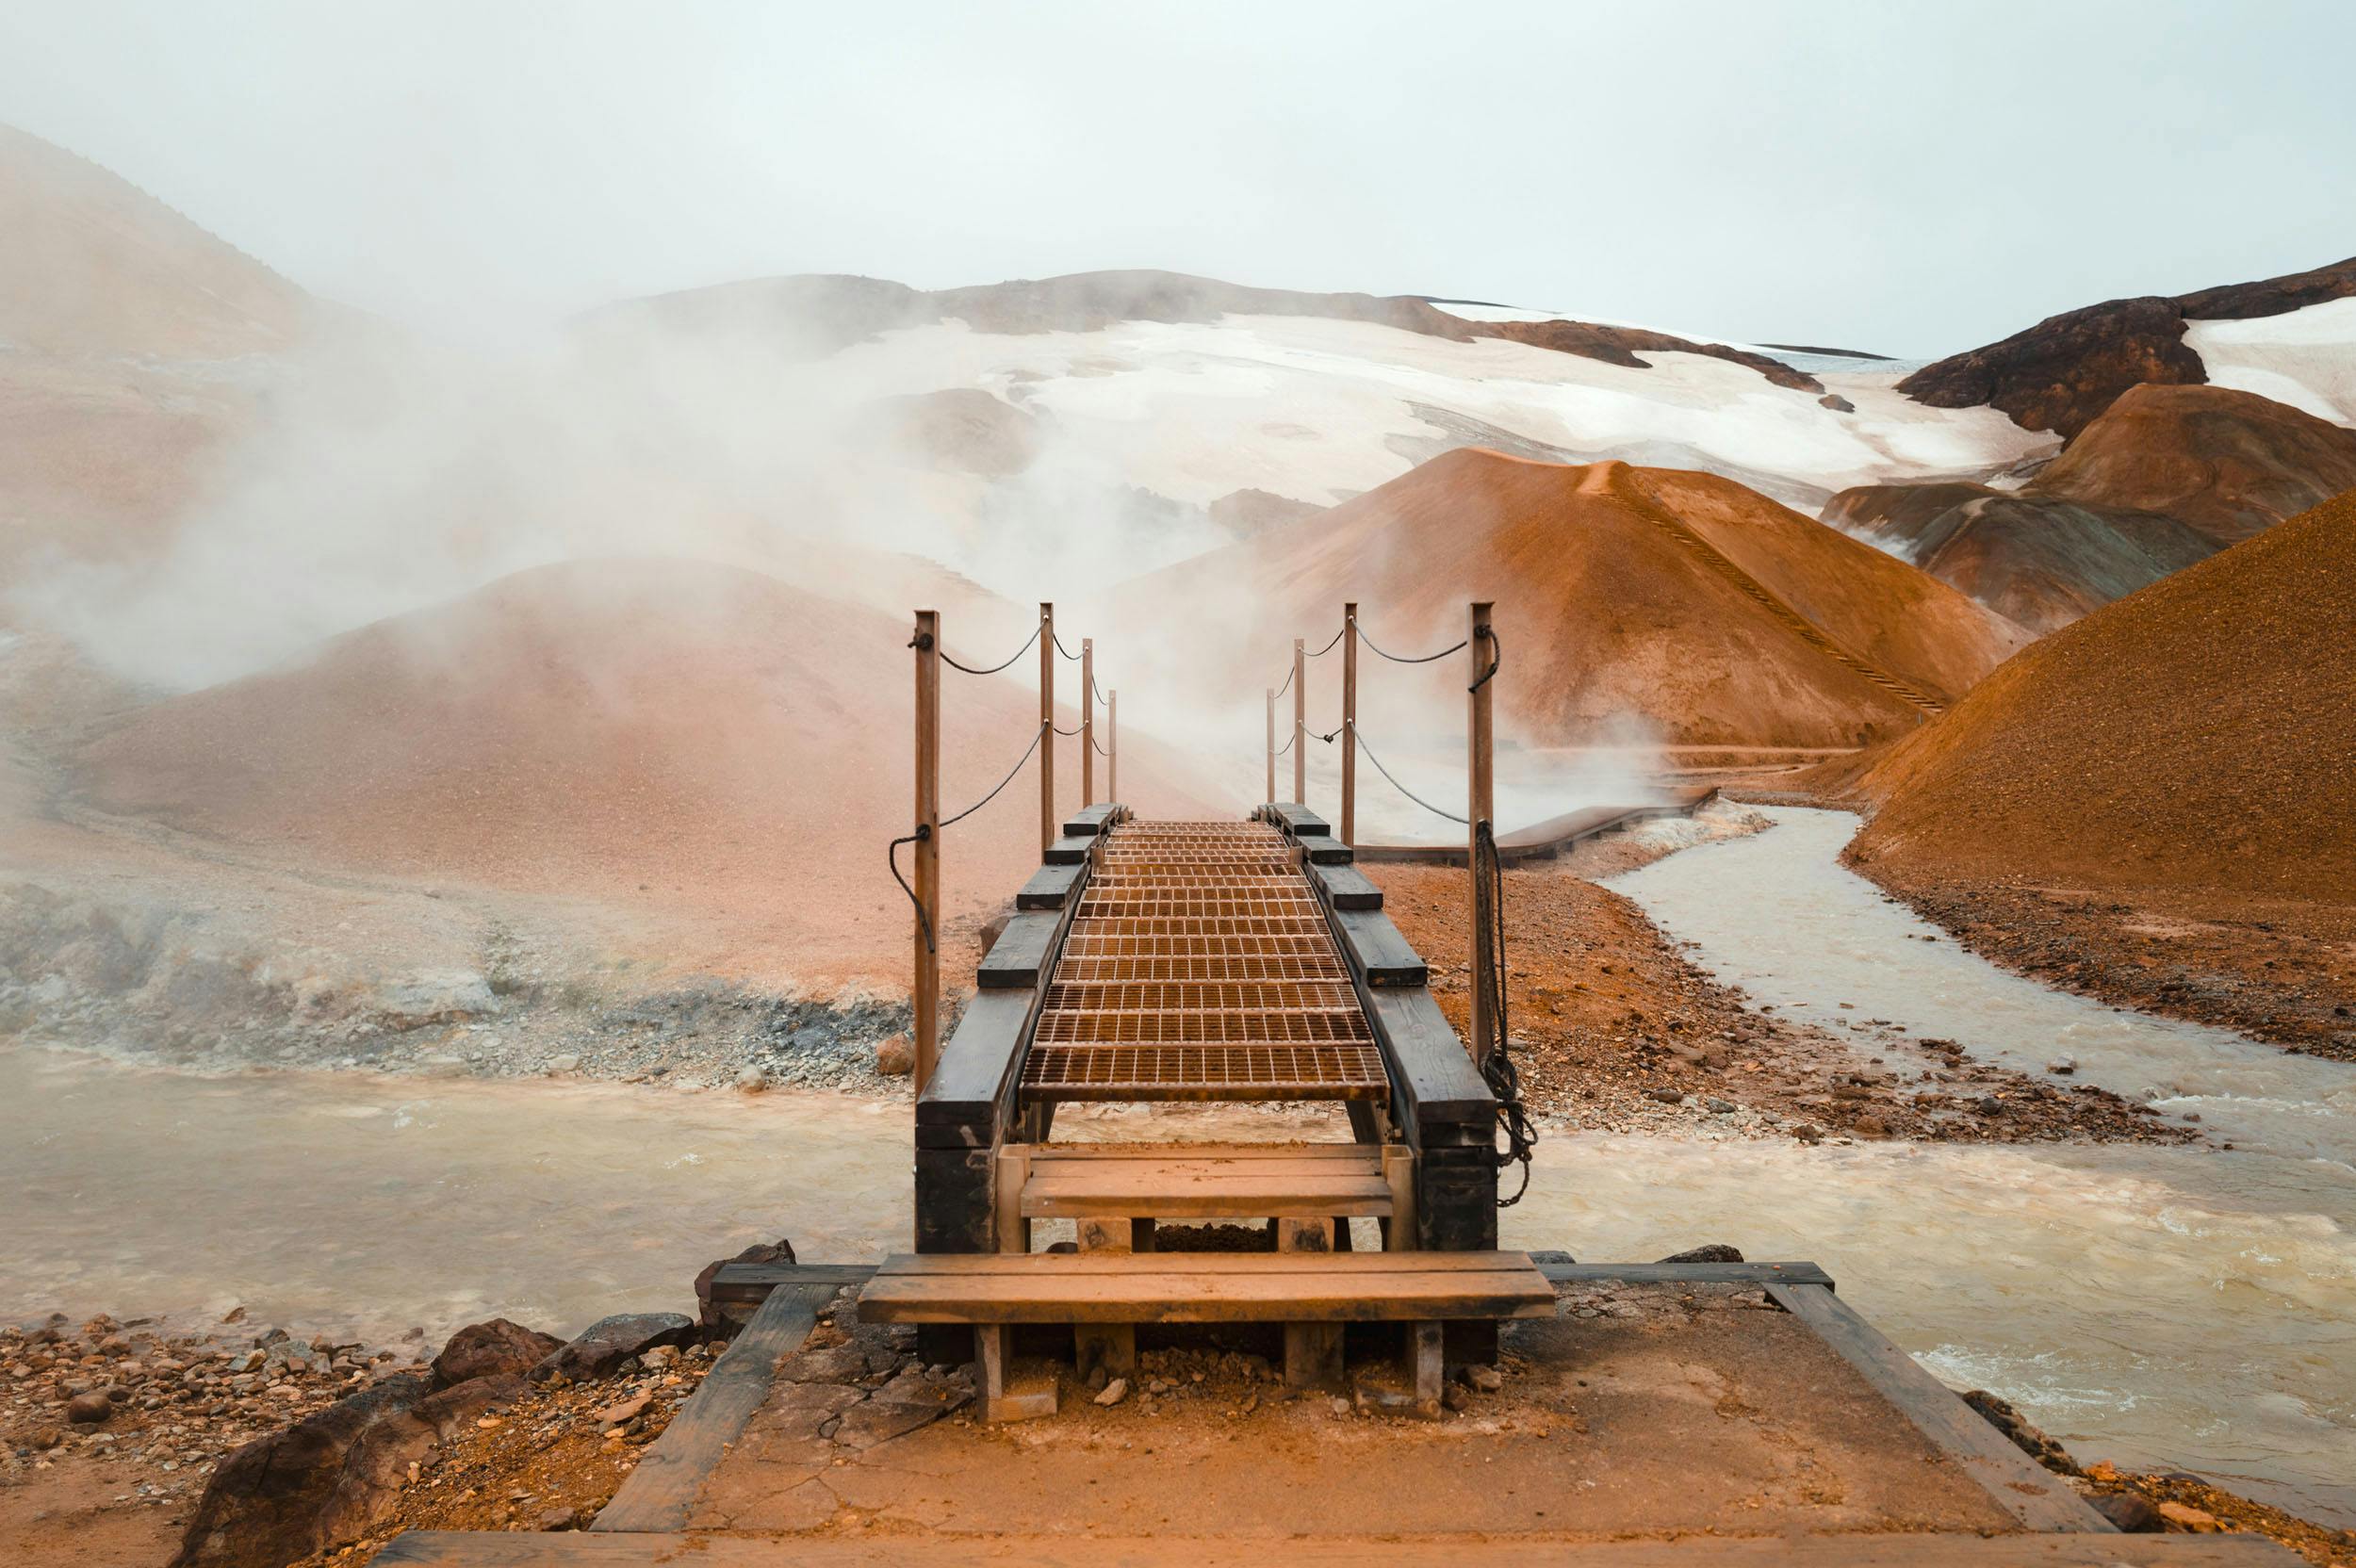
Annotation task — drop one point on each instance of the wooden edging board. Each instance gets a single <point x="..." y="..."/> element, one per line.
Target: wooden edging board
<point x="2021" y="1486"/>
<point x="501" y="1550"/>
<point x="658" y="1495"/>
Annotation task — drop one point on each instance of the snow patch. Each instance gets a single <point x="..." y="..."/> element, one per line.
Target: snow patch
<point x="2305" y="358"/>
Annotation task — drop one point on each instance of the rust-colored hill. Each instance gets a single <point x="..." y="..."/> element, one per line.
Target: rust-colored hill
<point x="2164" y="478"/>
<point x="1685" y="602"/>
<point x="2192" y="735"/>
<point x="649" y="733"/>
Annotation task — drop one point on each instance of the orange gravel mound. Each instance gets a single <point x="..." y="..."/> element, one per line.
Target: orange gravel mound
<point x="1619" y="592"/>
<point x="2191" y="735"/>
<point x="635" y="731"/>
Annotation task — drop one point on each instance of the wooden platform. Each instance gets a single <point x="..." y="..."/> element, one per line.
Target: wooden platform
<point x="1205" y="1287"/>
<point x="1212" y="1180"/>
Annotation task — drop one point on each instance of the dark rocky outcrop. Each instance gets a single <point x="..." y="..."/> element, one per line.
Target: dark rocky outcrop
<point x="2067" y="370"/>
<point x="2062" y="372"/>
<point x="610" y="1341"/>
<point x="2026" y="1437"/>
<point x="492" y="1350"/>
<point x="1716" y="1251"/>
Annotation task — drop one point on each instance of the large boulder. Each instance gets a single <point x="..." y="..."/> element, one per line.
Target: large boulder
<point x="610" y="1341"/>
<point x="497" y="1349"/>
<point x="262" y="1507"/>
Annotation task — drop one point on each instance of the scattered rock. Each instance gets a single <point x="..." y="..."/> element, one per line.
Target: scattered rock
<point x="626" y="1409"/>
<point x="558" y="1518"/>
<point x="2187" y="1517"/>
<point x="2062" y="1066"/>
<point x="1114" y="1393"/>
<point x="2027" y="1438"/>
<point x="610" y="1341"/>
<point x="752" y="1081"/>
<point x="1717" y="1251"/>
<point x="780" y="1250"/>
<point x="2131" y="1511"/>
<point x="1486" y="1378"/>
<point x="1666" y="1097"/>
<point x="87" y="1409"/>
<point x="490" y="1350"/>
<point x="895" y="1057"/>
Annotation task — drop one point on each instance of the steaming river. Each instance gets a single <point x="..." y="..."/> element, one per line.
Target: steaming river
<point x="2187" y="1306"/>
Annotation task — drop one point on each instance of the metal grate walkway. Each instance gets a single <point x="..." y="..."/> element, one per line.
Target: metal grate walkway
<point x="1199" y="967"/>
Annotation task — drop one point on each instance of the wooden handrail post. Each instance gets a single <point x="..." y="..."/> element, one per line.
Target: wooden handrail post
<point x="1112" y="745"/>
<point x="1481" y="810"/>
<point x="1087" y="720"/>
<point x="927" y="880"/>
<point x="1300" y="722"/>
<point x="1271" y="745"/>
<point x="1349" y="725"/>
<point x="1047" y="721"/>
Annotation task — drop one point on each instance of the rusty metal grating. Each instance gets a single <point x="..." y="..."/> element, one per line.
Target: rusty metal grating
<point x="1199" y="966"/>
<point x="1204" y="1072"/>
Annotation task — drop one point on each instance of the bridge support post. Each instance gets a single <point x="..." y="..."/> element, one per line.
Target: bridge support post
<point x="1047" y="823"/>
<point x="1349" y="725"/>
<point x="1087" y="720"/>
<point x="1272" y="743"/>
<point x="1301" y="722"/>
<point x="1112" y="745"/>
<point x="927" y="882"/>
<point x="1480" y="812"/>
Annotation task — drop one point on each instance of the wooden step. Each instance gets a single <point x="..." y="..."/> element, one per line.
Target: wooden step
<point x="1205" y="1287"/>
<point x="1190" y="1181"/>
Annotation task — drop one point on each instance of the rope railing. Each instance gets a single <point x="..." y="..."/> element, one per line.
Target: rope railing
<point x="924" y="831"/>
<point x="1397" y="658"/>
<point x="994" y="668"/>
<point x="1359" y="736"/>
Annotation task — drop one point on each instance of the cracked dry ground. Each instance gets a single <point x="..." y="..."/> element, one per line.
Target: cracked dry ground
<point x="1614" y="1030"/>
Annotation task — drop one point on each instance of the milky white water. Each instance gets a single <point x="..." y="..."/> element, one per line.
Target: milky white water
<point x="2187" y="1305"/>
<point x="2181" y="1306"/>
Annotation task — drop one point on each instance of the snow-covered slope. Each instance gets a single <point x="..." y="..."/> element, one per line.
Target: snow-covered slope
<point x="2305" y="358"/>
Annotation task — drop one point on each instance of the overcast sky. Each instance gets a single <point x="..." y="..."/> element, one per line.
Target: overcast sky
<point x="1911" y="178"/>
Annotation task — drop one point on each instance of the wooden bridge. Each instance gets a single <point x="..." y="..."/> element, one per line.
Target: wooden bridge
<point x="1250" y="960"/>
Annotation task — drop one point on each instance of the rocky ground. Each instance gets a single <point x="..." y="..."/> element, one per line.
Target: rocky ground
<point x="1614" y="1030"/>
<point x="2274" y="969"/>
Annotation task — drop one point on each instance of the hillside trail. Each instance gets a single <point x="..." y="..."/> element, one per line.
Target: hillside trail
<point x="1611" y="479"/>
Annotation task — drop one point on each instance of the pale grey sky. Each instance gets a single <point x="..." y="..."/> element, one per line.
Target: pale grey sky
<point x="1907" y="177"/>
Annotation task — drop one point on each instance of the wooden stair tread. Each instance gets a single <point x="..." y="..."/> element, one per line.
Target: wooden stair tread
<point x="1205" y="1287"/>
<point x="1190" y="1182"/>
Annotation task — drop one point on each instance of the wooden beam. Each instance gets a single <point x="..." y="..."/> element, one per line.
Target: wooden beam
<point x="661" y="1492"/>
<point x="951" y="1549"/>
<point x="1349" y="724"/>
<point x="1047" y="725"/>
<point x="2021" y="1486"/>
<point x="925" y="878"/>
<point x="1022" y="953"/>
<point x="1300" y="720"/>
<point x="1271" y="742"/>
<point x="1346" y="886"/>
<point x="1112" y="745"/>
<point x="1087" y="720"/>
<point x="1481" y="813"/>
<point x="1049" y="887"/>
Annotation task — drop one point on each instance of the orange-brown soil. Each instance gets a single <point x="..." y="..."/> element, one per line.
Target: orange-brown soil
<point x="2200" y="1509"/>
<point x="1613" y="1029"/>
<point x="2167" y="769"/>
<point x="1623" y="595"/>
<point x="681" y="738"/>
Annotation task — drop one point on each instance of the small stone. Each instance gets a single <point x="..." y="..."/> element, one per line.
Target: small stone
<point x="1718" y="1106"/>
<point x="1114" y="1393"/>
<point x="752" y="1080"/>
<point x="1454" y="1397"/>
<point x="1666" y="1097"/>
<point x="2131" y="1512"/>
<point x="89" y="1409"/>
<point x="1486" y="1378"/>
<point x="567" y="1063"/>
<point x="613" y="1415"/>
<point x="895" y="1057"/>
<point x="1340" y="1405"/>
<point x="556" y="1519"/>
<point x="2062" y="1066"/>
<point x="2187" y="1517"/>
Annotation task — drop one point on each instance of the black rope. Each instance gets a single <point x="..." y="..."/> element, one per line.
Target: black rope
<point x="1060" y="648"/>
<point x="1094" y="686"/>
<point x="1037" y="737"/>
<point x="1288" y="681"/>
<point x="1100" y="748"/>
<point x="1425" y="660"/>
<point x="923" y="832"/>
<point x="1327" y="736"/>
<point x="994" y="668"/>
<point x="1329" y="647"/>
<point x="1396" y="785"/>
<point x="1061" y="730"/>
<point x="1497" y="657"/>
<point x="1496" y="1063"/>
<point x="1288" y="744"/>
